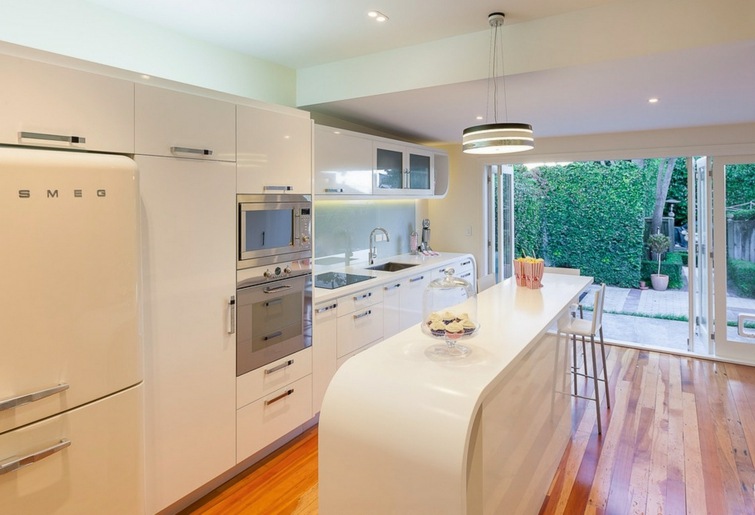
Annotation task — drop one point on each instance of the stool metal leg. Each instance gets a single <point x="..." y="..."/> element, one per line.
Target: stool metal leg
<point x="605" y="373"/>
<point x="595" y="382"/>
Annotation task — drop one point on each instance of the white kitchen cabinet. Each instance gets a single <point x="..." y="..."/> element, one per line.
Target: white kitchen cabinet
<point x="189" y="276"/>
<point x="402" y="169"/>
<point x="412" y="298"/>
<point x="343" y="162"/>
<point x="272" y="401"/>
<point x="403" y="301"/>
<point x="271" y="417"/>
<point x="324" y="351"/>
<point x="172" y="123"/>
<point x="392" y="308"/>
<point x="360" y="320"/>
<point x="464" y="268"/>
<point x="274" y="151"/>
<point x="51" y="106"/>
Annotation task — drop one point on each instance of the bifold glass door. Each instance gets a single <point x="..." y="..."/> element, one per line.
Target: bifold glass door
<point x="734" y="257"/>
<point x="699" y="236"/>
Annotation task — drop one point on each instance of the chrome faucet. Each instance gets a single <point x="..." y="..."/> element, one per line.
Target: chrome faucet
<point x="373" y="254"/>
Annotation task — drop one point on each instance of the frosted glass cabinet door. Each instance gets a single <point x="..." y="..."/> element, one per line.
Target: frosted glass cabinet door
<point x="402" y="170"/>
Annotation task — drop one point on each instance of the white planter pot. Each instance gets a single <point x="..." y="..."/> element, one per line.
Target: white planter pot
<point x="659" y="281"/>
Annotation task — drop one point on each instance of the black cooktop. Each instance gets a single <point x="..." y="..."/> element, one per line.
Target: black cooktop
<point x="333" y="280"/>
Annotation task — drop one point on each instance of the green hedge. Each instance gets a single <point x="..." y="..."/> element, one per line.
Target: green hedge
<point x="671" y="266"/>
<point x="593" y="220"/>
<point x="741" y="275"/>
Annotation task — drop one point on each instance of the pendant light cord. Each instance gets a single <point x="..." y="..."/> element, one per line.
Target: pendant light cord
<point x="496" y="41"/>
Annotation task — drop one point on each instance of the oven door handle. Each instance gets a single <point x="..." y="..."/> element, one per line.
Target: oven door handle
<point x="276" y="288"/>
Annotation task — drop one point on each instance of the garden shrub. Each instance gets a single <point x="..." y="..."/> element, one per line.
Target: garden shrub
<point x="741" y="275"/>
<point x="593" y="220"/>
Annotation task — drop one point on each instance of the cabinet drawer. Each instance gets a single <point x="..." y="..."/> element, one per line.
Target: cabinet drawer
<point x="359" y="328"/>
<point x="264" y="421"/>
<point x="253" y="385"/>
<point x="359" y="300"/>
<point x="59" y="107"/>
<point x="171" y="123"/>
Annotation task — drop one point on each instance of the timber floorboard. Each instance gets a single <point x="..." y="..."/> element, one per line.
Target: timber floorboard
<point x="678" y="439"/>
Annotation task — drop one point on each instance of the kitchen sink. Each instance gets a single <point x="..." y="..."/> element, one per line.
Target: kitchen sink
<point x="390" y="267"/>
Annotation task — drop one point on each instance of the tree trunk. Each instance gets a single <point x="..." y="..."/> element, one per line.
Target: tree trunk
<point x="665" y="171"/>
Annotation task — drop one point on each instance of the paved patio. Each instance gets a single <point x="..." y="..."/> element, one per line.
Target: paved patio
<point x="622" y="323"/>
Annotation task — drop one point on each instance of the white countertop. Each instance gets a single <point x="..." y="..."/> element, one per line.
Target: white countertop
<point x="360" y="268"/>
<point x="394" y="405"/>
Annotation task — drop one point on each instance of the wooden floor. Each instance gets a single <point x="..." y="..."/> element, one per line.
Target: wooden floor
<point x="678" y="438"/>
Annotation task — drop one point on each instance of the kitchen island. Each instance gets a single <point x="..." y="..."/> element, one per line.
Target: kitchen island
<point x="402" y="431"/>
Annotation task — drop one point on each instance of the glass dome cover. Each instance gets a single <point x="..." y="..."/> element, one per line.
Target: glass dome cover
<point x="449" y="312"/>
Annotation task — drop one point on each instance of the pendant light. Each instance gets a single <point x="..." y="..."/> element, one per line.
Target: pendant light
<point x="497" y="138"/>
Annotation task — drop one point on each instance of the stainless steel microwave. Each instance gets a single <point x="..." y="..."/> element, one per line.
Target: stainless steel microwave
<point x="273" y="229"/>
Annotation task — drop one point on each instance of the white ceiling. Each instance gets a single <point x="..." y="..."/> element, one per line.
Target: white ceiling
<point x="701" y="86"/>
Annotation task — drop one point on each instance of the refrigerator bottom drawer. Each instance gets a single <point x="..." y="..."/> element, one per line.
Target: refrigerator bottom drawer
<point x="88" y="460"/>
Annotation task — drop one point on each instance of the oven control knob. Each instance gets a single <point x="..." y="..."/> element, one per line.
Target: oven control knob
<point x="304" y="238"/>
<point x="268" y="274"/>
<point x="287" y="270"/>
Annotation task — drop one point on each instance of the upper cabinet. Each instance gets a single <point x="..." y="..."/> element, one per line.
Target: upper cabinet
<point x="274" y="151"/>
<point x="171" y="123"/>
<point x="352" y="164"/>
<point x="403" y="169"/>
<point x="51" y="106"/>
<point x="343" y="162"/>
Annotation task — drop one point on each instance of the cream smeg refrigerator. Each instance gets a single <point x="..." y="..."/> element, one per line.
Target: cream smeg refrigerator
<point x="71" y="422"/>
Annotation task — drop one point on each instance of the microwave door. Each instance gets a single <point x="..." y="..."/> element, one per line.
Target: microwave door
<point x="267" y="229"/>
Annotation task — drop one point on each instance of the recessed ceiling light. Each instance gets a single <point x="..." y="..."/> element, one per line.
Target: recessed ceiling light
<point x="478" y="117"/>
<point x="377" y="15"/>
<point x="653" y="100"/>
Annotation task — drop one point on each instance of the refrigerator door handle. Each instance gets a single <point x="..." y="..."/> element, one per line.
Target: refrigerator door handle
<point x="31" y="397"/>
<point x="17" y="463"/>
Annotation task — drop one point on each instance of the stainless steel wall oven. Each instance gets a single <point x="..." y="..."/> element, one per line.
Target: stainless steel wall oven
<point x="274" y="279"/>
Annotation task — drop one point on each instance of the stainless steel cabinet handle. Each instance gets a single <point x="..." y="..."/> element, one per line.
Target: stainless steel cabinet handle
<point x="326" y="308"/>
<point x="276" y="288"/>
<point x="278" y="188"/>
<point x="279" y="397"/>
<point x="392" y="286"/>
<point x="232" y="315"/>
<point x="364" y="296"/>
<point x="31" y="397"/>
<point x="15" y="463"/>
<point x="333" y="190"/>
<point x="279" y="367"/>
<point x="415" y="279"/>
<point x="361" y="315"/>
<point x="51" y="137"/>
<point x="273" y="335"/>
<point x="188" y="150"/>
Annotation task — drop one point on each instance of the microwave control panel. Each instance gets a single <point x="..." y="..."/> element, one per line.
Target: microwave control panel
<point x="305" y="226"/>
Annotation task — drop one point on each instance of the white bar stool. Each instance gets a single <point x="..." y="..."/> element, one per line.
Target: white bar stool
<point x="589" y="329"/>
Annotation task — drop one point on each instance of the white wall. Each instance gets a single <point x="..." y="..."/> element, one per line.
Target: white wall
<point x="84" y="31"/>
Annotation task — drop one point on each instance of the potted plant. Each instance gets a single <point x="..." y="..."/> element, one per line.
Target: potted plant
<point x="658" y="244"/>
